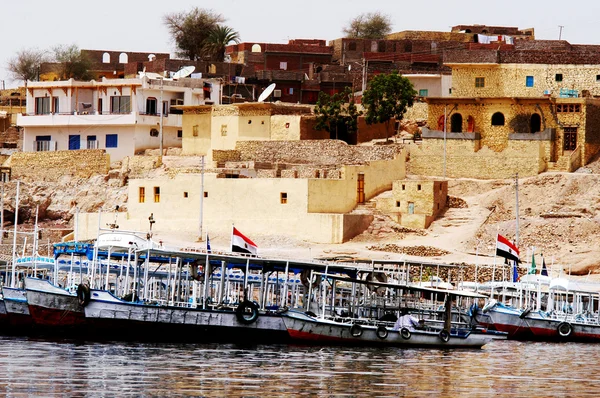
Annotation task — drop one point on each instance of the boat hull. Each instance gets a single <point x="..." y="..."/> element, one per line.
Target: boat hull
<point x="52" y="307"/>
<point x="508" y="320"/>
<point x="303" y="328"/>
<point x="112" y="318"/>
<point x="17" y="310"/>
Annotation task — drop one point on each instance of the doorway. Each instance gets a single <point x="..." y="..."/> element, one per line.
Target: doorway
<point x="360" y="189"/>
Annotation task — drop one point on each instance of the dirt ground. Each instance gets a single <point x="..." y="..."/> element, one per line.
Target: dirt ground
<point x="559" y="216"/>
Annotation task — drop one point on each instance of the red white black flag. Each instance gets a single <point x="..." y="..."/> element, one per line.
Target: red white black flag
<point x="504" y="248"/>
<point x="241" y="243"/>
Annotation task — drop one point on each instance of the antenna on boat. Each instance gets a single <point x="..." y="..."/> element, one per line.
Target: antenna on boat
<point x="517" y="210"/>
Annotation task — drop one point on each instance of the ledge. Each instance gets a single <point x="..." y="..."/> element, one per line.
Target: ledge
<point x="426" y="133"/>
<point x="546" y="135"/>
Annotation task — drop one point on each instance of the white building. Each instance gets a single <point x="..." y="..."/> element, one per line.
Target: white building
<point x="122" y="116"/>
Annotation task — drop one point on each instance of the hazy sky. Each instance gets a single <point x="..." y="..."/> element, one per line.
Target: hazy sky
<point x="127" y="25"/>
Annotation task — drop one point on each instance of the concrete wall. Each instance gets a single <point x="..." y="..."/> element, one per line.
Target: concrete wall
<point x="50" y="166"/>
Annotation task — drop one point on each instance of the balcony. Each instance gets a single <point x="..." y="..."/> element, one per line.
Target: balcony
<point x="92" y="144"/>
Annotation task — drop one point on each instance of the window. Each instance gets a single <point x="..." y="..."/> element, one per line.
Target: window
<point x="195" y="131"/>
<point x="352" y="46"/>
<point x="397" y="204"/>
<point x="55" y="105"/>
<point x="480" y="82"/>
<point x="498" y="119"/>
<point x="42" y="105"/>
<point x="179" y="133"/>
<point x="528" y="81"/>
<point x="598" y="78"/>
<point x="142" y="195"/>
<point x="250" y="121"/>
<point x="151" y="106"/>
<point x="74" y="142"/>
<point x="568" y="108"/>
<point x="418" y="187"/>
<point x="156" y="194"/>
<point x="283" y="65"/>
<point x="154" y="132"/>
<point x="283" y="197"/>
<point x="120" y="104"/>
<point x="291" y="90"/>
<point x="106" y="58"/>
<point x="206" y="194"/>
<point x="185" y="194"/>
<point x="423" y="92"/>
<point x="123" y="59"/>
<point x="112" y="140"/>
<point x="403" y="187"/>
<point x="92" y="143"/>
<point x="165" y="109"/>
<point x="558" y="77"/>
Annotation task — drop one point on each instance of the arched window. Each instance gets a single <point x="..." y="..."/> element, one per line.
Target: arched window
<point x="535" y="124"/>
<point x="456" y="123"/>
<point x="151" y="57"/>
<point x="256" y="48"/>
<point x="106" y="58"/>
<point x="498" y="119"/>
<point x="123" y="58"/>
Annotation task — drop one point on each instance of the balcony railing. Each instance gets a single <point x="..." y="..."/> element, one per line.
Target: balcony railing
<point x="44" y="146"/>
<point x="92" y="144"/>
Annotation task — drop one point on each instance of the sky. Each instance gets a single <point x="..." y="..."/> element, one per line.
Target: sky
<point x="125" y="25"/>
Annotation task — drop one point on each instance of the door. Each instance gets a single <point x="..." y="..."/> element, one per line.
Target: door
<point x="411" y="208"/>
<point x="74" y="142"/>
<point x="570" y="138"/>
<point x="361" y="189"/>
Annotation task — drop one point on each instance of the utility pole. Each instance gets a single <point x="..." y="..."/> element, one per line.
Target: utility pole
<point x="160" y="131"/>
<point x="201" y="199"/>
<point x="560" y="28"/>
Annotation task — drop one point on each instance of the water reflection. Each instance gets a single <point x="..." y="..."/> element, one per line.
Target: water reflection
<point x="47" y="368"/>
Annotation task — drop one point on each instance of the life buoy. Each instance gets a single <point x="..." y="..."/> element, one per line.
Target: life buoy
<point x="405" y="333"/>
<point x="83" y="294"/>
<point x="525" y="312"/>
<point x="356" y="330"/>
<point x="381" y="332"/>
<point x="247" y="312"/>
<point x="444" y="336"/>
<point x="441" y="123"/>
<point x="564" y="329"/>
<point x="305" y="276"/>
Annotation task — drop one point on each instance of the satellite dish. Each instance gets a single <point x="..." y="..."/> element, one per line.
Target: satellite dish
<point x="184" y="72"/>
<point x="265" y="94"/>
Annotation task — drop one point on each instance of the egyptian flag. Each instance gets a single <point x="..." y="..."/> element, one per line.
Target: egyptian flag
<point x="504" y="248"/>
<point x="241" y="244"/>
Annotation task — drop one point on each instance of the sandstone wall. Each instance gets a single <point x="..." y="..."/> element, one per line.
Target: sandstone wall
<point x="50" y="166"/>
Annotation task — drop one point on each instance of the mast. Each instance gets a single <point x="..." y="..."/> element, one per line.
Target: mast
<point x="517" y="210"/>
<point x="14" y="249"/>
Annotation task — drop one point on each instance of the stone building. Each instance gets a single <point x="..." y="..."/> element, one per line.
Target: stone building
<point x="416" y="203"/>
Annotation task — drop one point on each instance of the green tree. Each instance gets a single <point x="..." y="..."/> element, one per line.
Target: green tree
<point x="337" y="113"/>
<point x="388" y="96"/>
<point x="220" y="36"/>
<point x="371" y="25"/>
<point x="190" y="31"/>
<point x="73" y="64"/>
<point x="25" y="65"/>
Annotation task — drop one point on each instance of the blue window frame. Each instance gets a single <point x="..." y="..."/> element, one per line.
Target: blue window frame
<point x="112" y="140"/>
<point x="528" y="81"/>
<point x="74" y="142"/>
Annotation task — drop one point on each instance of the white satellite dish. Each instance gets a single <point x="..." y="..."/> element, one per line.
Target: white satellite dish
<point x="265" y="94"/>
<point x="184" y="72"/>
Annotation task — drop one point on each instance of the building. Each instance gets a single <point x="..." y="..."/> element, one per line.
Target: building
<point x="416" y="203"/>
<point x="122" y="116"/>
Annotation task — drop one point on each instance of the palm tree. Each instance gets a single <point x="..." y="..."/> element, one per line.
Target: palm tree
<point x="218" y="38"/>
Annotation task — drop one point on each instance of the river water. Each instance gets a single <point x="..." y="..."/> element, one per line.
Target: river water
<point x="31" y="367"/>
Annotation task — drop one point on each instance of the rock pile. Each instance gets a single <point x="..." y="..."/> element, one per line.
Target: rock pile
<point x="420" y="251"/>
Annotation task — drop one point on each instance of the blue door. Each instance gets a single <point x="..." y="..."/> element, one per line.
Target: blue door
<point x="74" y="142"/>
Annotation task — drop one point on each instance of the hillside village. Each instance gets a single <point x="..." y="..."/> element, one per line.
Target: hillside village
<point x="493" y="102"/>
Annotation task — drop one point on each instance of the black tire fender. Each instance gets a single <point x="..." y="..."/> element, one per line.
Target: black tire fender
<point x="83" y="294"/>
<point x="405" y="333"/>
<point x="247" y="312"/>
<point x="381" y="332"/>
<point x="525" y="312"/>
<point x="564" y="329"/>
<point x="444" y="336"/>
<point x="356" y="330"/>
